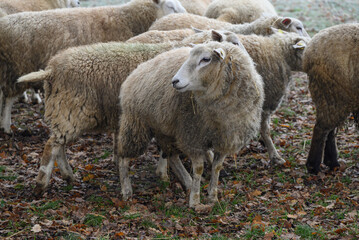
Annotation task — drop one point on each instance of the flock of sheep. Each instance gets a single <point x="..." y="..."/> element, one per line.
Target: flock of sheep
<point x="203" y="86"/>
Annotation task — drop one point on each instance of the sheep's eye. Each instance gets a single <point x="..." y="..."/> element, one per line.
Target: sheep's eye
<point x="205" y="60"/>
<point x="299" y="28"/>
<point x="235" y="43"/>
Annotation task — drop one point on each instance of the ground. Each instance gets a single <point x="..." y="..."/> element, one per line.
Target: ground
<point x="256" y="201"/>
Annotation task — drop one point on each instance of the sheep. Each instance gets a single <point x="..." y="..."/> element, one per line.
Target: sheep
<point x="14" y="6"/>
<point x="275" y="57"/>
<point x="40" y="35"/>
<point x="197" y="7"/>
<point x="181" y="36"/>
<point x="331" y="61"/>
<point x="215" y="102"/>
<point x="81" y="94"/>
<point x="261" y="26"/>
<point x="239" y="11"/>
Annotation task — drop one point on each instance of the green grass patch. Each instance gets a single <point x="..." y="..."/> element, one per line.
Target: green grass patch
<point x="148" y="224"/>
<point x="132" y="216"/>
<point x="93" y="220"/>
<point x="254" y="233"/>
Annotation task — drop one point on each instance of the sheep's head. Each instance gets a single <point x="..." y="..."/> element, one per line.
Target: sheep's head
<point x="290" y="25"/>
<point x="72" y="3"/>
<point x="168" y="7"/>
<point x="211" y="68"/>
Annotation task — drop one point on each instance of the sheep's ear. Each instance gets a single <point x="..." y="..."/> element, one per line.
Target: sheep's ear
<point x="196" y="30"/>
<point x="276" y="30"/>
<point x="300" y="45"/>
<point x="216" y="36"/>
<point x="220" y="53"/>
<point x="286" y="22"/>
<point x="192" y="44"/>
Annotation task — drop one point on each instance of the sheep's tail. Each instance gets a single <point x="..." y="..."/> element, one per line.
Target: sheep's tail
<point x="35" y="77"/>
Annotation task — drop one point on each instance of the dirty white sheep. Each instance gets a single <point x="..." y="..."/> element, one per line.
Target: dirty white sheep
<point x="331" y="61"/>
<point x="261" y="26"/>
<point x="8" y="7"/>
<point x="215" y="102"/>
<point x="40" y="35"/>
<point x="197" y="7"/>
<point x="239" y="11"/>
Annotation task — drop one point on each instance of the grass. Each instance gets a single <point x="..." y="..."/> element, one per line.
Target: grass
<point x="92" y="220"/>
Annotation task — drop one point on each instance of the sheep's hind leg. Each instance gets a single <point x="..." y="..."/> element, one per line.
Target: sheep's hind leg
<point x="65" y="168"/>
<point x="51" y="151"/>
<point x="331" y="151"/>
<point x="197" y="166"/>
<point x="274" y="157"/>
<point x="180" y="171"/>
<point x="126" y="187"/>
<point x="6" y="114"/>
<point x="217" y="165"/>
<point x="161" y="169"/>
<point x="316" y="148"/>
<point x="115" y="150"/>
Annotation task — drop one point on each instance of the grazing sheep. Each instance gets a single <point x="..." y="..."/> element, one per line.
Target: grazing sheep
<point x="81" y="93"/>
<point x="261" y="26"/>
<point x="331" y="61"/>
<point x="197" y="7"/>
<point x="40" y="35"/>
<point x="215" y="103"/>
<point x="155" y="36"/>
<point x="8" y="7"/>
<point x="275" y="57"/>
<point x="239" y="11"/>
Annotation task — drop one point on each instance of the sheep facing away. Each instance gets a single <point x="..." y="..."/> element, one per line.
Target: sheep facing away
<point x="275" y="57"/>
<point x="331" y="61"/>
<point x="81" y="93"/>
<point x="197" y="7"/>
<point x="239" y="11"/>
<point x="215" y="103"/>
<point x="261" y="26"/>
<point x="8" y="7"/>
<point x="40" y="35"/>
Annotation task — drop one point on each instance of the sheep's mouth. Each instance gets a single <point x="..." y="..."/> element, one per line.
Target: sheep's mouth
<point x="180" y="88"/>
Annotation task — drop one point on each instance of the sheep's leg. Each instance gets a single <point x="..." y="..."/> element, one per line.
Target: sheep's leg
<point x="217" y="165"/>
<point x="115" y="150"/>
<point x="331" y="151"/>
<point x="2" y="102"/>
<point x="180" y="171"/>
<point x="162" y="167"/>
<point x="65" y="168"/>
<point x="209" y="157"/>
<point x="197" y="166"/>
<point x="6" y="114"/>
<point x="126" y="187"/>
<point x="51" y="151"/>
<point x="265" y="133"/>
<point x="316" y="148"/>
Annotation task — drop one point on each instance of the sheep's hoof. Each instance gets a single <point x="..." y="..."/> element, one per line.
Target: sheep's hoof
<point x="39" y="189"/>
<point x="163" y="176"/>
<point x="277" y="160"/>
<point x="312" y="170"/>
<point x="127" y="194"/>
<point x="69" y="179"/>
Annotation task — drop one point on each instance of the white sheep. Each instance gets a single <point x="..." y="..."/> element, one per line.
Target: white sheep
<point x="197" y="7"/>
<point x="239" y="11"/>
<point x="261" y="26"/>
<point x="40" y="35"/>
<point x="14" y="6"/>
<point x="331" y="61"/>
<point x="275" y="56"/>
<point x="81" y="93"/>
<point x="215" y="102"/>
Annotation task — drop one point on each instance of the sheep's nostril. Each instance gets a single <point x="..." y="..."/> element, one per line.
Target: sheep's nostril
<point x="175" y="81"/>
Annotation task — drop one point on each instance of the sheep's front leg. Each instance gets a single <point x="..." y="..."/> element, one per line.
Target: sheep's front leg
<point x="265" y="133"/>
<point x="161" y="169"/>
<point x="213" y="185"/>
<point x="126" y="187"/>
<point x="2" y="102"/>
<point x="65" y="168"/>
<point x="197" y="166"/>
<point x="6" y="114"/>
<point x="51" y="151"/>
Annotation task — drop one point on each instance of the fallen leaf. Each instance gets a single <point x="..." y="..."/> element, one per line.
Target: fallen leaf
<point x="36" y="228"/>
<point x="292" y="216"/>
